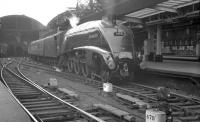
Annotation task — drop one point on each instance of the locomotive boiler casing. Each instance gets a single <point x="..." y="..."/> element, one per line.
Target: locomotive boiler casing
<point x="99" y="37"/>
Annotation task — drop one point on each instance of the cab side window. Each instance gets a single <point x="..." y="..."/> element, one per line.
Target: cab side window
<point x="104" y="44"/>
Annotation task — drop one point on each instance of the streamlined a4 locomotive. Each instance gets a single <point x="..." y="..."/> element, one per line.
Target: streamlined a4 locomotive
<point x="94" y="49"/>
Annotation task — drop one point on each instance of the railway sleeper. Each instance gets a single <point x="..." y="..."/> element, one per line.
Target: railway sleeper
<point x="98" y="112"/>
<point x="63" y="118"/>
<point x="192" y="107"/>
<point x="38" y="102"/>
<point x="54" y="113"/>
<point x="45" y="101"/>
<point x="116" y="112"/>
<point x="151" y="94"/>
<point x="104" y="115"/>
<point x="71" y="97"/>
<point x="68" y="92"/>
<point x="187" y="103"/>
<point x="65" y="96"/>
<point x="175" y="100"/>
<point x="41" y="105"/>
<point x="25" y="93"/>
<point x="128" y="104"/>
<point x="189" y="118"/>
<point x="107" y="118"/>
<point x="27" y="96"/>
<point x="136" y="90"/>
<point x="45" y="108"/>
<point x="22" y="90"/>
<point x="146" y="92"/>
<point x="134" y="101"/>
<point x="178" y="113"/>
<point x="34" y="99"/>
<point x="13" y="86"/>
<point x="71" y="101"/>
<point x="19" y="84"/>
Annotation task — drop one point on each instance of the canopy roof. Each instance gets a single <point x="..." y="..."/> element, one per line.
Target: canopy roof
<point x="120" y="8"/>
<point x="169" y="6"/>
<point x="20" y="23"/>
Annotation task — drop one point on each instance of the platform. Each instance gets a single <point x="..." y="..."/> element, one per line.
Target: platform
<point x="187" y="68"/>
<point x="10" y="111"/>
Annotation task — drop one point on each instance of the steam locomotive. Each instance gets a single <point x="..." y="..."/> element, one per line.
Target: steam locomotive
<point x="95" y="49"/>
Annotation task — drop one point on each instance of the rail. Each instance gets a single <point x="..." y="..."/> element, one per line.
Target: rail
<point x="84" y="113"/>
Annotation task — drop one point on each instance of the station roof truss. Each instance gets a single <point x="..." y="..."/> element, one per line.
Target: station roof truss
<point x="166" y="6"/>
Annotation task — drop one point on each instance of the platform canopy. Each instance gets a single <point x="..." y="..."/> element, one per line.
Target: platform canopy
<point x="120" y="8"/>
<point x="166" y="6"/>
<point x="123" y="7"/>
<point x="20" y="23"/>
<point x="136" y="10"/>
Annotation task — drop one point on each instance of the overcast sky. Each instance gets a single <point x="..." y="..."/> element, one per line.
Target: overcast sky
<point x="41" y="10"/>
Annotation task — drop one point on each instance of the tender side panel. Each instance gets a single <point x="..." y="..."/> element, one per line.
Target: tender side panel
<point x="37" y="48"/>
<point x="50" y="46"/>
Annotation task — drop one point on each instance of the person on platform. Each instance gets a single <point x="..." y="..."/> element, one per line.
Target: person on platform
<point x="163" y="95"/>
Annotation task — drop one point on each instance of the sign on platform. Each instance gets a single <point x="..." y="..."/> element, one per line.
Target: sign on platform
<point x="107" y="87"/>
<point x="53" y="82"/>
<point x="154" y="115"/>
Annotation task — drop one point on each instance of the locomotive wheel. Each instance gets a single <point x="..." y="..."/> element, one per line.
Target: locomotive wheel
<point x="70" y="66"/>
<point x="84" y="70"/>
<point x="76" y="67"/>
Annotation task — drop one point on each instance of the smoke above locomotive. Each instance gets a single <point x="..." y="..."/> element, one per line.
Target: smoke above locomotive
<point x="95" y="49"/>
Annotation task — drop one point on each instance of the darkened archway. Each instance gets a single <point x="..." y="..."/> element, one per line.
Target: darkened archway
<point x="17" y="31"/>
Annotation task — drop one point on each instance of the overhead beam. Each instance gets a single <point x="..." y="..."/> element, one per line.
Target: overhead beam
<point x="132" y="19"/>
<point x="124" y="7"/>
<point x="151" y="14"/>
<point x="164" y="8"/>
<point x="188" y="3"/>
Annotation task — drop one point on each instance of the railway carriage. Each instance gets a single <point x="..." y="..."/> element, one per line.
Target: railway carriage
<point x="47" y="49"/>
<point x="36" y="49"/>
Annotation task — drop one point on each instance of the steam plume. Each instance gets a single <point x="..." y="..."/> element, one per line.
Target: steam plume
<point x="74" y="20"/>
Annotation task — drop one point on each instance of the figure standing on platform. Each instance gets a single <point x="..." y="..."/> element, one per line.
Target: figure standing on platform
<point x="163" y="104"/>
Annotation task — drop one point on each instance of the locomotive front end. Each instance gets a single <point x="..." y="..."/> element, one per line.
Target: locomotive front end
<point x="120" y="40"/>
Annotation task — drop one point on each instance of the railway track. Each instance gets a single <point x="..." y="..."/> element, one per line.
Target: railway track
<point x="42" y="106"/>
<point x="184" y="109"/>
